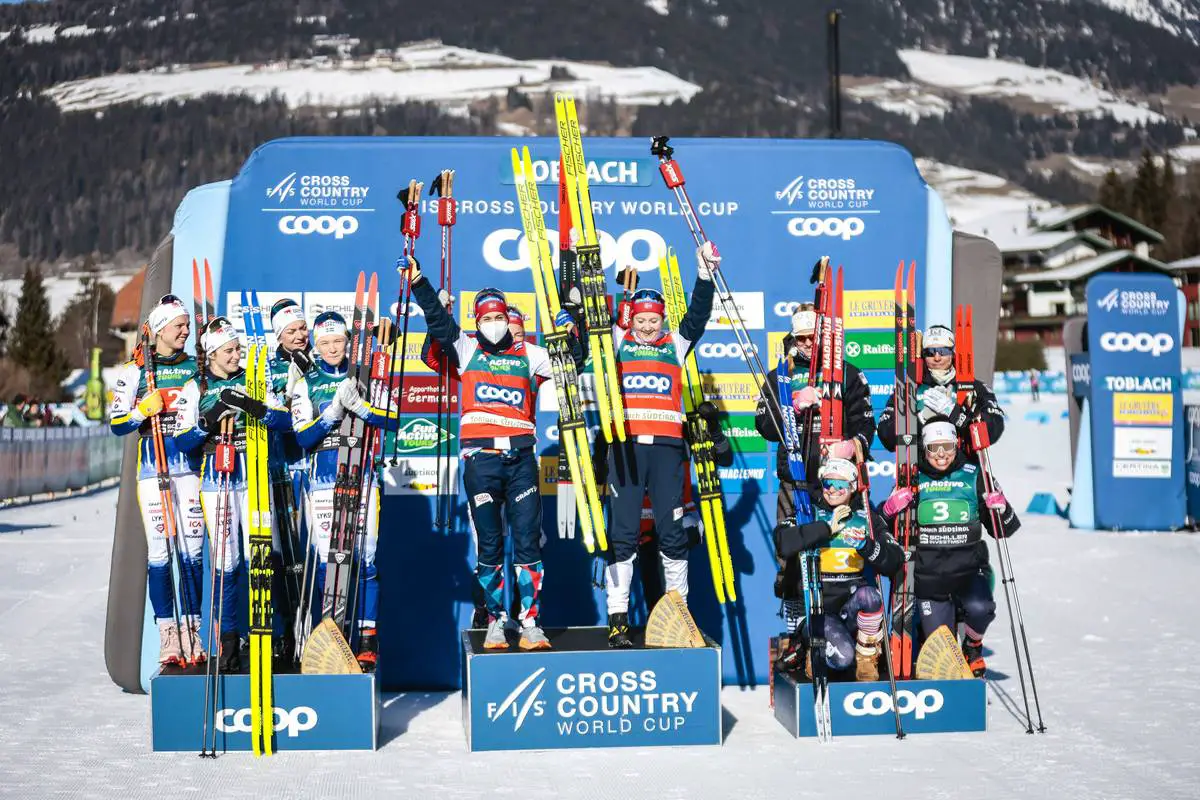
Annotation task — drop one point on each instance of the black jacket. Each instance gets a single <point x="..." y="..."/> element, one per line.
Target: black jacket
<point x="985" y="404"/>
<point x="858" y="418"/>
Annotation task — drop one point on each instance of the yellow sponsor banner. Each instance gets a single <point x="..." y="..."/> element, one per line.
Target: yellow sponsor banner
<point x="1143" y="408"/>
<point x="526" y="301"/>
<point x="730" y="391"/>
<point x="411" y="357"/>
<point x="548" y="475"/>
<point x="869" y="308"/>
<point x="774" y="348"/>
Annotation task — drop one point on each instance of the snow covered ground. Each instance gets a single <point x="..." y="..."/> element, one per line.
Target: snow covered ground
<point x="1111" y="625"/>
<point x="971" y="195"/>
<point x="428" y="71"/>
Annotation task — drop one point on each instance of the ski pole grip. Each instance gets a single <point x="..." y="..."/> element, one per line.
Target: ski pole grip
<point x="672" y="174"/>
<point x="223" y="458"/>
<point x="447" y="211"/>
<point x="979" y="436"/>
<point x="411" y="225"/>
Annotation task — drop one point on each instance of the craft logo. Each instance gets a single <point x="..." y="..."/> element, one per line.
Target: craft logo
<point x="1143" y="408"/>
<point x="1134" y="303"/>
<point x="600" y="172"/>
<point x="295" y="721"/>
<point x="591" y="703"/>
<point x="318" y="191"/>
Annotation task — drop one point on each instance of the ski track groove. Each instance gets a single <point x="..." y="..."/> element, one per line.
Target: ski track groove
<point x="1122" y="730"/>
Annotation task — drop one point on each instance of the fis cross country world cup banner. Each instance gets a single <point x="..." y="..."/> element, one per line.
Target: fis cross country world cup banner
<point x="306" y="215"/>
<point x="1137" y="402"/>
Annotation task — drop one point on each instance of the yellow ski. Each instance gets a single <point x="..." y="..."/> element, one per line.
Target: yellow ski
<point x="571" y="423"/>
<point x="708" y="481"/>
<point x="591" y="269"/>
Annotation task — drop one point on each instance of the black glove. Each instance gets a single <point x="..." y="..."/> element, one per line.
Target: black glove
<point x="236" y="397"/>
<point x="211" y="419"/>
<point x="621" y="278"/>
<point x="711" y="415"/>
<point x="302" y="360"/>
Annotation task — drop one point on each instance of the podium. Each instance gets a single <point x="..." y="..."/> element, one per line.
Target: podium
<point x="312" y="712"/>
<point x="582" y="694"/>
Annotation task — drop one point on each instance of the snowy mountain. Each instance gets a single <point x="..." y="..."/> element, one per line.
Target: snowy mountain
<point x="1181" y="17"/>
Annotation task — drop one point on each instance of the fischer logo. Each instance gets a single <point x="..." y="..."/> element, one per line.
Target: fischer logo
<point x="294" y="721"/>
<point x="920" y="704"/>
<point x="844" y="229"/>
<point x="1121" y="342"/>
<point x="726" y="350"/>
<point x="646" y="382"/>
<point x="505" y="249"/>
<point x="1109" y="301"/>
<point x="487" y="393"/>
<point x="318" y="191"/>
<point x="303" y="225"/>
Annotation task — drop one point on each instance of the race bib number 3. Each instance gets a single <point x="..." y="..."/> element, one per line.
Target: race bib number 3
<point x="933" y="512"/>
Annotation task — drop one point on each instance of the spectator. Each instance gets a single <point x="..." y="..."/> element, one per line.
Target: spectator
<point x="1035" y="380"/>
<point x="14" y="417"/>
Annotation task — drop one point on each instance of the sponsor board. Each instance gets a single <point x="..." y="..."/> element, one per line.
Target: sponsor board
<point x="721" y="349"/>
<point x="1129" y="468"/>
<point x="1134" y="303"/>
<point x="565" y="699"/>
<point x="418" y="475"/>
<point x="869" y="308"/>
<point x="1142" y="443"/>
<point x="826" y="193"/>
<point x="730" y="391"/>
<point x="1142" y="408"/>
<point x="505" y="250"/>
<point x="421" y="395"/>
<point x="339" y="227"/>
<point x="410" y="355"/>
<point x="234" y="310"/>
<point x="526" y="301"/>
<point x="601" y="171"/>
<point x="422" y="436"/>
<point x="317" y="303"/>
<point x="871" y="350"/>
<point x="548" y="475"/>
<point x="300" y="191"/>
<point x="749" y="305"/>
<point x="743" y="436"/>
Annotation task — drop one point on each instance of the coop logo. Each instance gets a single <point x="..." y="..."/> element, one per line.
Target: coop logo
<point x="521" y="701"/>
<point x="881" y="469"/>
<point x="786" y="309"/>
<point x="505" y="249"/>
<point x="303" y="225"/>
<point x="727" y="350"/>
<point x="1153" y="343"/>
<point x="919" y="704"/>
<point x="294" y="721"/>
<point x="844" y="229"/>
<point x="318" y="191"/>
<point x="646" y="383"/>
<point x="1109" y="301"/>
<point x="486" y="393"/>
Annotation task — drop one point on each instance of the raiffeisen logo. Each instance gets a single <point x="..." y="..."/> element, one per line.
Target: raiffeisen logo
<point x="600" y="171"/>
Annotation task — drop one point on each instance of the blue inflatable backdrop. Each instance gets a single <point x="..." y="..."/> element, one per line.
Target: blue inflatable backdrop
<point x="305" y="215"/>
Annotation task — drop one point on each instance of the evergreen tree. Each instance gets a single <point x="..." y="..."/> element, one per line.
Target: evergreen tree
<point x="1113" y="194"/>
<point x="1145" y="194"/>
<point x="31" y="344"/>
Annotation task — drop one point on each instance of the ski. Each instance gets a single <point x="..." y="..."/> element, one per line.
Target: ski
<point x="568" y="280"/>
<point x="572" y="425"/>
<point x="259" y="567"/>
<point x="908" y="355"/>
<point x="712" y="511"/>
<point x="591" y="270"/>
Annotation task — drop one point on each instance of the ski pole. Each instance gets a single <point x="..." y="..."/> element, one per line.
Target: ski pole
<point x="443" y="186"/>
<point x="410" y="226"/>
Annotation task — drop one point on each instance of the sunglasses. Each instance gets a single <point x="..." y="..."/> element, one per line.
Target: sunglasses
<point x="940" y="449"/>
<point x="937" y="351"/>
<point x="836" y="484"/>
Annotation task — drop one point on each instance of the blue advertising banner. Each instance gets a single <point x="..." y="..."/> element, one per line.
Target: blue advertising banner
<point x="549" y="700"/>
<point x="1136" y="402"/>
<point x="1193" y="462"/>
<point x="306" y="214"/>
<point x="1081" y="375"/>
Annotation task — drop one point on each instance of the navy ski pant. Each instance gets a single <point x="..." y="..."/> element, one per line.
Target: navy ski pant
<point x="841" y="626"/>
<point x="975" y="597"/>
<point x="635" y="469"/>
<point x="504" y="482"/>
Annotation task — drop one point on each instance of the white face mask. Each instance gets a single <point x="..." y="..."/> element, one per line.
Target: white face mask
<point x="493" y="330"/>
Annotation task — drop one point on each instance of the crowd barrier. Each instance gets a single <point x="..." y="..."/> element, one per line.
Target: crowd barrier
<point x="37" y="461"/>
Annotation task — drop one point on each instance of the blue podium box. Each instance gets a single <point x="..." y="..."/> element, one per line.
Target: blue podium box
<point x="582" y="694"/>
<point x="865" y="709"/>
<point x="312" y="712"/>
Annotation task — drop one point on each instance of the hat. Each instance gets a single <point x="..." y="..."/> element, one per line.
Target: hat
<point x="937" y="336"/>
<point x="649" y="301"/>
<point x="938" y="433"/>
<point x="489" y="300"/>
<point x="328" y="323"/>
<point x="169" y="308"/>
<point x="219" y="333"/>
<point x="515" y="315"/>
<point x="284" y="312"/>
<point x="839" y="469"/>
<point x="804" y="322"/>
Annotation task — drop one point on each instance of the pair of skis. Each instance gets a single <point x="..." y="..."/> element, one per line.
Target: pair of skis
<point x="708" y="481"/>
<point x="964" y="375"/>
<point x="260" y="567"/>
<point x="907" y="377"/>
<point x="572" y="425"/>
<point x="573" y="166"/>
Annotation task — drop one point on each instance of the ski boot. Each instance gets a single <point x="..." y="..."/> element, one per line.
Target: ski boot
<point x="230" y="661"/>
<point x="618" y="631"/>
<point x="533" y="638"/>
<point x="495" y="639"/>
<point x="193" y="649"/>
<point x="479" y="619"/>
<point x="973" y="652"/>
<point x="368" y="649"/>
<point x="866" y="662"/>
<point x="170" y="654"/>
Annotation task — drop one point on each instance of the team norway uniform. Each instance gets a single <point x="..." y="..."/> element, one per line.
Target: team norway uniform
<point x="170" y="373"/>
<point x="653" y="460"/>
<point x="192" y="436"/>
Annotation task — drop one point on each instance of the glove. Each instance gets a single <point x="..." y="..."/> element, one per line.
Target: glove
<point x="446" y="299"/>
<point x="210" y="420"/>
<point x="632" y="275"/>
<point x="351" y="399"/>
<point x="805" y="398"/>
<point x="995" y="501"/>
<point x="844" y="449"/>
<point x="900" y="499"/>
<point x="711" y="415"/>
<point x="302" y="360"/>
<point x="563" y="320"/>
<point x="333" y="412"/>
<point x="409" y="268"/>
<point x="624" y="315"/>
<point x="938" y="401"/>
<point x="707" y="261"/>
<point x="838" y="522"/>
<point x="150" y="405"/>
<point x="236" y="397"/>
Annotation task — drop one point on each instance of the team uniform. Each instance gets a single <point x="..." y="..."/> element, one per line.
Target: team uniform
<point x="128" y="415"/>
<point x="500" y="379"/>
